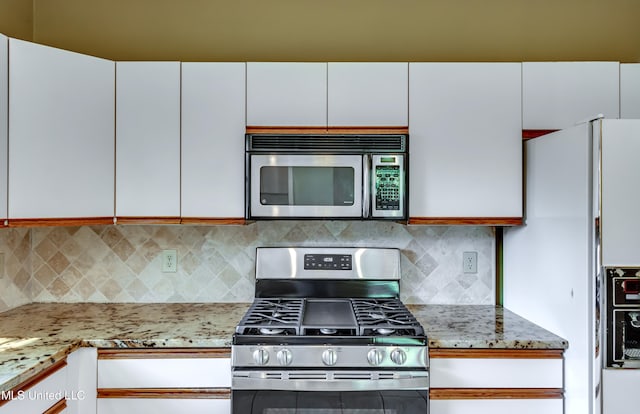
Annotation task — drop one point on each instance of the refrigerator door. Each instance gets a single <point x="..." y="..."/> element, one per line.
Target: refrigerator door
<point x="549" y="275"/>
<point x="620" y="192"/>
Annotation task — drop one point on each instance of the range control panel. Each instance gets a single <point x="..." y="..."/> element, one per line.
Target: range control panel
<point x="327" y="262"/>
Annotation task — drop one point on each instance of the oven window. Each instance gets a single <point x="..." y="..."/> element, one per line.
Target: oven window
<point x="316" y="402"/>
<point x="307" y="186"/>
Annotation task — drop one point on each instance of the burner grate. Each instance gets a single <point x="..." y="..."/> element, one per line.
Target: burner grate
<point x="380" y="317"/>
<point x="272" y="317"/>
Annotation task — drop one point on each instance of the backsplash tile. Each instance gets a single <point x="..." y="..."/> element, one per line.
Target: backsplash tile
<point x="216" y="263"/>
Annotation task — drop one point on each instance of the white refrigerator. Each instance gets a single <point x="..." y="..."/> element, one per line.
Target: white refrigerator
<point x="582" y="214"/>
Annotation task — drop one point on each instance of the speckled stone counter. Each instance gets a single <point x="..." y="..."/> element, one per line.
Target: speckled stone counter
<point x="482" y="326"/>
<point x="34" y="337"/>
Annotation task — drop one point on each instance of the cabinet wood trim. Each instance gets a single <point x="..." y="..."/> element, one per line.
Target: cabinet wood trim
<point x="496" y="353"/>
<point x="29" y="383"/>
<point x="160" y="353"/>
<point x="161" y="393"/>
<point x="213" y="221"/>
<point x="535" y="133"/>
<point x="57" y="407"/>
<point x="147" y="220"/>
<point x="327" y="130"/>
<point x="69" y="222"/>
<point x="495" y="393"/>
<point x="473" y="221"/>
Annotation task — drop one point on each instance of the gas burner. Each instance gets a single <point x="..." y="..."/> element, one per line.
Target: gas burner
<point x="376" y="315"/>
<point x="271" y="331"/>
<point x="384" y="331"/>
<point x="328" y="331"/>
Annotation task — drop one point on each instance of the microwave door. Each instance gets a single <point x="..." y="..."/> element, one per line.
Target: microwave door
<point x="306" y="186"/>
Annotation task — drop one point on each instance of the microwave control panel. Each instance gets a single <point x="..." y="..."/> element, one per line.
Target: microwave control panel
<point x="387" y="185"/>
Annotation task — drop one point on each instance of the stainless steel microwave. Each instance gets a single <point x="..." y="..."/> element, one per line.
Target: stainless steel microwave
<point x="326" y="176"/>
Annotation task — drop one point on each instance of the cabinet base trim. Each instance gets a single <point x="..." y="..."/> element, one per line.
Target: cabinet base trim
<point x="213" y="221"/>
<point x="148" y="220"/>
<point x="495" y="393"/>
<point x="69" y="222"/>
<point x="470" y="221"/>
<point x="166" y="393"/>
<point x="328" y="130"/>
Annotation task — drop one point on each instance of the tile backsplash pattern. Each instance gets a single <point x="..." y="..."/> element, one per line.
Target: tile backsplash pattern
<point x="216" y="263"/>
<point x="15" y="271"/>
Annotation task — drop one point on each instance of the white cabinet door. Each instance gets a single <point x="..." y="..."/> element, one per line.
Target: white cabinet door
<point x="557" y="95"/>
<point x="368" y="94"/>
<point x="630" y="90"/>
<point x="148" y="139"/>
<point x="619" y="390"/>
<point x="620" y="198"/>
<point x="61" y="133"/>
<point x="163" y="406"/>
<point x="4" y="119"/>
<point x="213" y="126"/>
<point x="286" y="94"/>
<point x="164" y="373"/>
<point x="523" y="406"/>
<point x="465" y="140"/>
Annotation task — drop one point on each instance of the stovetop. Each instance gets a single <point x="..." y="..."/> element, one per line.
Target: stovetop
<point x="322" y="320"/>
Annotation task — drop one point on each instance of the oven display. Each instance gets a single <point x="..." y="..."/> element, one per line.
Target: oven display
<point x="327" y="262"/>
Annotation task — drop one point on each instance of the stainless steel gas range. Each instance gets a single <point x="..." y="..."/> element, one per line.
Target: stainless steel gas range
<point x="327" y="333"/>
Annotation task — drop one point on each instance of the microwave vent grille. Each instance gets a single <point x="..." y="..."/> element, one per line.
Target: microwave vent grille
<point x="327" y="143"/>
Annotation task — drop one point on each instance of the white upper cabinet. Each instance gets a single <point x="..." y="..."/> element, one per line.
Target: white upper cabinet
<point x="465" y="140"/>
<point x="286" y="94"/>
<point x="620" y="198"/>
<point x="61" y="133"/>
<point x="630" y="90"/>
<point x="557" y="95"/>
<point x="368" y="94"/>
<point x="148" y="139"/>
<point x="4" y="119"/>
<point x="213" y="126"/>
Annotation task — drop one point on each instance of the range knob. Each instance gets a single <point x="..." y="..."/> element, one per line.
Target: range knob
<point x="398" y="356"/>
<point x="284" y="357"/>
<point x="375" y="357"/>
<point x="261" y="356"/>
<point x="330" y="357"/>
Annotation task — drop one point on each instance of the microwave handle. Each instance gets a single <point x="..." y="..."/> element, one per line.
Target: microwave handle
<point x="366" y="186"/>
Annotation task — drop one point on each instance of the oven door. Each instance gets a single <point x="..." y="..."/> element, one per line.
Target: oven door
<point x="318" y="392"/>
<point x="330" y="402"/>
<point x="626" y="337"/>
<point x="306" y="186"/>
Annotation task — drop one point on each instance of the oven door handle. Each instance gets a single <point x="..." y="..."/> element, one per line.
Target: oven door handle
<point x="329" y="381"/>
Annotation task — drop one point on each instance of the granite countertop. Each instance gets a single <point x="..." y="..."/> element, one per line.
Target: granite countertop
<point x="36" y="336"/>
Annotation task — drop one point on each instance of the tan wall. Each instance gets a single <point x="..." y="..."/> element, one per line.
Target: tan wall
<point x="335" y="30"/>
<point x="16" y="18"/>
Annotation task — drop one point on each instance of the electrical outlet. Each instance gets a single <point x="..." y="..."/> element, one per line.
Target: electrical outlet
<point x="470" y="262"/>
<point x="169" y="261"/>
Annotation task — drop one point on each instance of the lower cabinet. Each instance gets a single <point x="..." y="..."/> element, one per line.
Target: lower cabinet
<point x="162" y="381"/>
<point x="45" y="393"/>
<point x="496" y="381"/>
